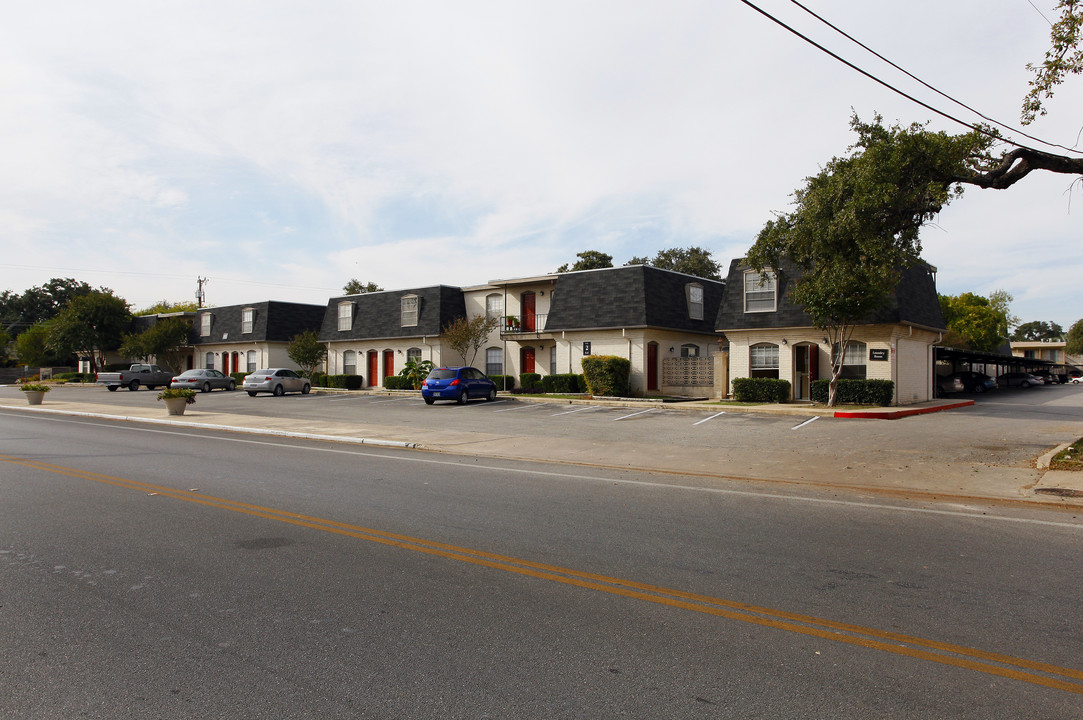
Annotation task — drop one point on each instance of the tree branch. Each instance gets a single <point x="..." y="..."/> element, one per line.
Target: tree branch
<point x="1019" y="163"/>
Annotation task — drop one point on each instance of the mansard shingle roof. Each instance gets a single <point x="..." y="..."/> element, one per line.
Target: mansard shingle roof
<point x="273" y="321"/>
<point x="914" y="302"/>
<point x="379" y="314"/>
<point x="632" y="296"/>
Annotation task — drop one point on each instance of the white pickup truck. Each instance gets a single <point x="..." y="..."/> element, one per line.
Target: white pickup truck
<point x="138" y="374"/>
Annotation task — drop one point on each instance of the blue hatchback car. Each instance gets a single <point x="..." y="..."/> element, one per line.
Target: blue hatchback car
<point x="457" y="383"/>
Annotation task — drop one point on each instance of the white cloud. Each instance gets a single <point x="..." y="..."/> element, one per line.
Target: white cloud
<point x="421" y="142"/>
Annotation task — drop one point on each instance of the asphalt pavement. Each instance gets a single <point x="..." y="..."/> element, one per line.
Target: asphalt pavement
<point x="918" y="475"/>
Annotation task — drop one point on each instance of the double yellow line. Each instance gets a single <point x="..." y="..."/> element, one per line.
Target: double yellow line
<point x="1044" y="674"/>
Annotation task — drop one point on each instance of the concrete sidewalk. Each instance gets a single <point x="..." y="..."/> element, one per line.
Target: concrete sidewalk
<point x="921" y="478"/>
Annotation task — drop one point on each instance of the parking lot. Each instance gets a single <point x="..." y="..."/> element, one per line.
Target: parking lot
<point x="994" y="442"/>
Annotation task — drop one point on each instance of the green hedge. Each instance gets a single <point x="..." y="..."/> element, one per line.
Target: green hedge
<point x="74" y="377"/>
<point x="398" y="382"/>
<point x="345" y="382"/>
<point x="567" y="383"/>
<point x="503" y="382"/>
<point x="607" y="375"/>
<point x="318" y="379"/>
<point x="766" y="390"/>
<point x="530" y="382"/>
<point x="240" y="376"/>
<point x="856" y="392"/>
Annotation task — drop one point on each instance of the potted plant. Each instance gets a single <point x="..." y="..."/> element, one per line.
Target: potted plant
<point x="35" y="392"/>
<point x="176" y="399"/>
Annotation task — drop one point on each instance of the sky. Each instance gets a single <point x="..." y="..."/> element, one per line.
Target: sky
<point x="280" y="149"/>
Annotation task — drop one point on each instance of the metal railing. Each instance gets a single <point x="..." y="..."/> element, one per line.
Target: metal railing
<point x="529" y="323"/>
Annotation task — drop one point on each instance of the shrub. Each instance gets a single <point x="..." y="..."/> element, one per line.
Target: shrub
<point x="607" y="375"/>
<point x="767" y="390"/>
<point x="503" y="382"/>
<point x="530" y="382"/>
<point x="35" y="387"/>
<point x="856" y="392"/>
<point x="240" y="376"/>
<point x="318" y="379"/>
<point x="171" y="393"/>
<point x="75" y="377"/>
<point x="345" y="382"/>
<point x="398" y="382"/>
<point x="566" y="383"/>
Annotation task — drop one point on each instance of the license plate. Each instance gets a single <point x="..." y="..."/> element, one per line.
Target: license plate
<point x="437" y="393"/>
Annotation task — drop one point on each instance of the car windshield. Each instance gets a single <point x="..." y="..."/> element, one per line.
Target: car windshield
<point x="441" y="374"/>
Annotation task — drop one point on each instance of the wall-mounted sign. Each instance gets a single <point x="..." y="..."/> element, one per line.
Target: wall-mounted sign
<point x="586" y="347"/>
<point x="878" y="354"/>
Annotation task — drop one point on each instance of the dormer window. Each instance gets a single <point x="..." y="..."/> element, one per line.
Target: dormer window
<point x="205" y="325"/>
<point x="761" y="291"/>
<point x="345" y="315"/>
<point x="248" y="317"/>
<point x="410" y="304"/>
<point x="693" y="294"/>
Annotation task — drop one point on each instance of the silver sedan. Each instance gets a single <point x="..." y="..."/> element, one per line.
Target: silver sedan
<point x="203" y="380"/>
<point x="277" y="381"/>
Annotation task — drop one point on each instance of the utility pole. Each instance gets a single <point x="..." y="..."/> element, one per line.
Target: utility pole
<point x="200" y="295"/>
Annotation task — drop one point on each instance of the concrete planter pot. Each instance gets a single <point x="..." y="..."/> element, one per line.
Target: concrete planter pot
<point x="175" y="406"/>
<point x="34" y="397"/>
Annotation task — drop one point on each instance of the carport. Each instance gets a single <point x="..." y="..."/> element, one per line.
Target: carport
<point x="951" y="360"/>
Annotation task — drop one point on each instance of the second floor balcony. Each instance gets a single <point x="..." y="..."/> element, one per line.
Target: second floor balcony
<point x="528" y="323"/>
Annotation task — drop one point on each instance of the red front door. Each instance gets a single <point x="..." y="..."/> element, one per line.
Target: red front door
<point x="374" y="367"/>
<point x="528" y="314"/>
<point x="527" y="357"/>
<point x="652" y="366"/>
<point x="389" y="363"/>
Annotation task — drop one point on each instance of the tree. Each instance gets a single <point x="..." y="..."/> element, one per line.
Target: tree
<point x="356" y="287"/>
<point x="973" y="322"/>
<point x="467" y="335"/>
<point x="90" y="326"/>
<point x="855" y="225"/>
<point x="164" y="307"/>
<point x="166" y="341"/>
<point x="1038" y="330"/>
<point x="690" y="261"/>
<point x="1074" y="344"/>
<point x="307" y="351"/>
<point x="32" y="346"/>
<point x="1063" y="57"/>
<point x="415" y="371"/>
<point x="588" y="260"/>
<point x="39" y="304"/>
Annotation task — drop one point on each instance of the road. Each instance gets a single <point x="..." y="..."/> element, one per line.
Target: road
<point x="164" y="572"/>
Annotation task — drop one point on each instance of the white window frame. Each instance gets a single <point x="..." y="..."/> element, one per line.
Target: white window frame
<point x="250" y="361"/>
<point x="414" y="354"/>
<point x="757" y="288"/>
<point x="345" y="316"/>
<point x="248" y="319"/>
<point x="346" y="364"/>
<point x="689" y="350"/>
<point x="410" y="310"/>
<point x="208" y="361"/>
<point x="693" y="293"/>
<point x="494" y="358"/>
<point x="205" y="325"/>
<point x="766" y="351"/>
<point x="494" y="306"/>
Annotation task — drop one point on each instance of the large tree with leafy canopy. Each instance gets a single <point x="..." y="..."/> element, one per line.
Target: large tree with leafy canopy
<point x="90" y="326"/>
<point x="166" y="341"/>
<point x="692" y="260"/>
<point x="588" y="260"/>
<point x="1038" y="330"/>
<point x="856" y="223"/>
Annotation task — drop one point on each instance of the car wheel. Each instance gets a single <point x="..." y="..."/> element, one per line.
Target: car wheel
<point x="279" y="391"/>
<point x="206" y="387"/>
<point x="111" y="388"/>
<point x="305" y="389"/>
<point x="492" y="395"/>
<point x="133" y="385"/>
<point x="1024" y="384"/>
<point x="462" y="397"/>
<point x="251" y="394"/>
<point x="979" y="388"/>
<point x="429" y="401"/>
<point x="232" y="386"/>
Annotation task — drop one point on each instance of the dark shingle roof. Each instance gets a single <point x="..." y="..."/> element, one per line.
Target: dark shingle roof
<point x="915" y="301"/>
<point x="634" y="296"/>
<point x="379" y="314"/>
<point x="273" y="322"/>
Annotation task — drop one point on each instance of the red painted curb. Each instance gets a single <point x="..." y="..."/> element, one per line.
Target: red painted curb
<point x="896" y="414"/>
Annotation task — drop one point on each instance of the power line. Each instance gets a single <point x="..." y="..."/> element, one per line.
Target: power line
<point x="892" y="88"/>
<point x="935" y="90"/>
<point x="53" y="268"/>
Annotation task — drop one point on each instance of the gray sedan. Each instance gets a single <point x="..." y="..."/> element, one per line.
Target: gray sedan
<point x="277" y="381"/>
<point x="203" y="380"/>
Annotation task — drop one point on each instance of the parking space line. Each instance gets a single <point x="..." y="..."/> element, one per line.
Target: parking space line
<point x="812" y="419"/>
<point x="624" y="417"/>
<point x="569" y="412"/>
<point x="710" y="418"/>
<point x="523" y="407"/>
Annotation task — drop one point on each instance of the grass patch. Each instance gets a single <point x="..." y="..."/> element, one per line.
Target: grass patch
<point x="1071" y="458"/>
